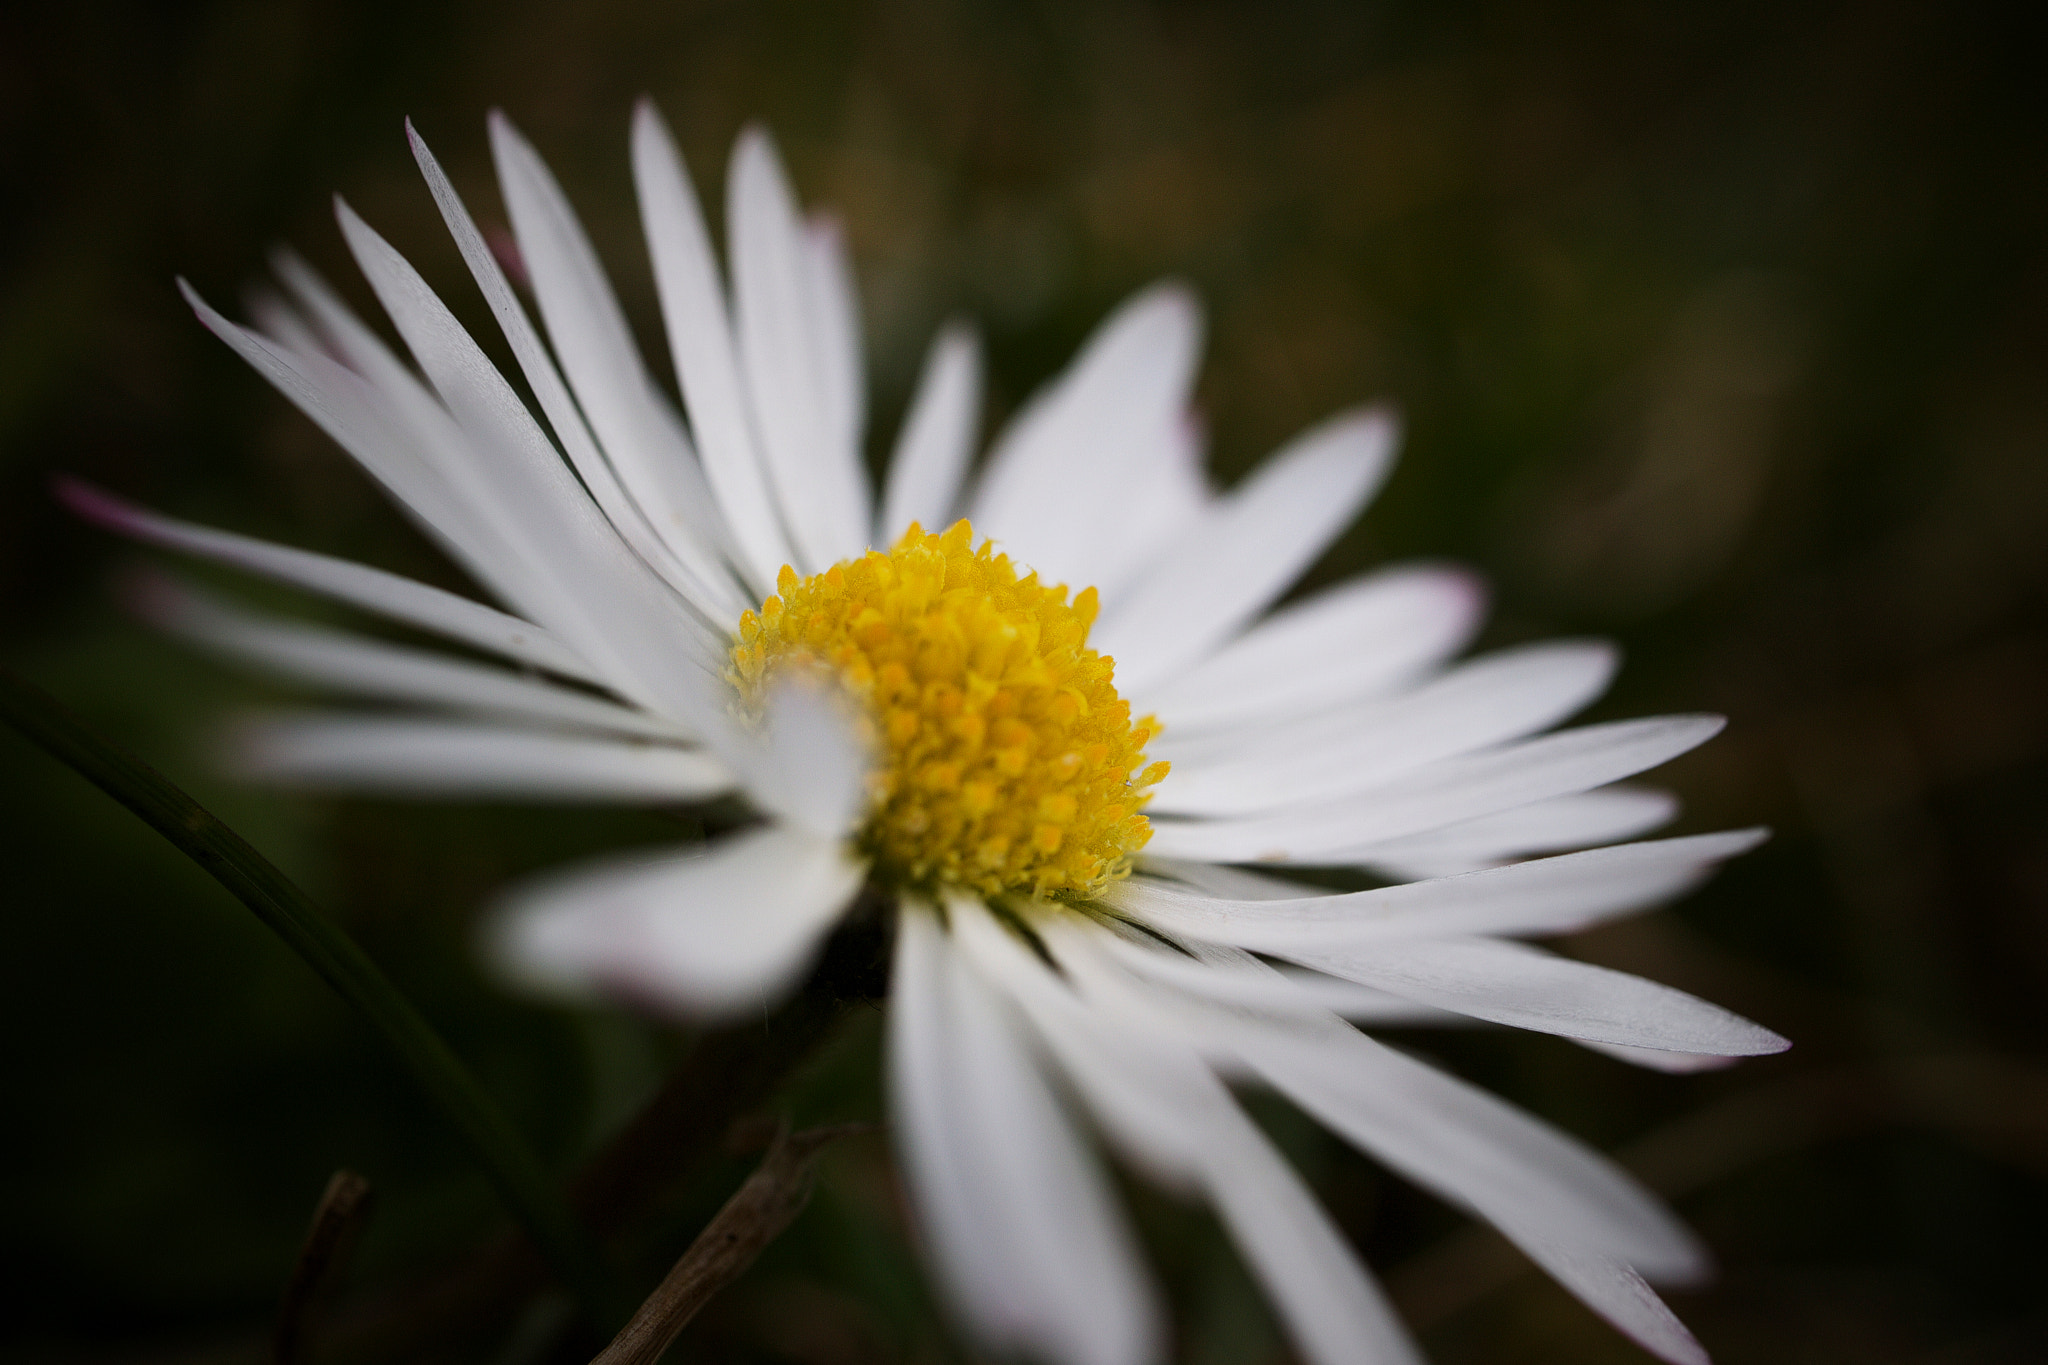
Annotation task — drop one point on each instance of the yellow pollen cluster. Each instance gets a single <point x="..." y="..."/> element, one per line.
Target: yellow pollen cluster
<point x="1009" y="762"/>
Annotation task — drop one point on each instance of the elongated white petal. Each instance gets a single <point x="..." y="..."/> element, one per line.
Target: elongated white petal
<point x="1348" y="642"/>
<point x="709" y="931"/>
<point x="1134" y="1084"/>
<point x="613" y="605"/>
<point x="339" y="333"/>
<point x="680" y="540"/>
<point x="398" y="430"/>
<point x="374" y="668"/>
<point x="437" y="758"/>
<point x="834" y="309"/>
<point x="1618" y="1294"/>
<point x="938" y="436"/>
<point x="1137" y="508"/>
<point x="1361" y="1004"/>
<point x="1154" y="1093"/>
<point x="811" y="763"/>
<point x="433" y="454"/>
<point x="814" y="468"/>
<point x="1483" y="702"/>
<point x="1441" y="794"/>
<point x="1542" y="896"/>
<point x="1563" y="822"/>
<point x="1478" y="703"/>
<point x="1230" y="566"/>
<point x="700" y="339"/>
<point x="1290" y="989"/>
<point x="1025" y="1230"/>
<point x="1258" y="985"/>
<point x="1524" y="987"/>
<point x="641" y="436"/>
<point x="1329" y="1305"/>
<point x="1221" y="881"/>
<point x="364" y="420"/>
<point x="1448" y="1136"/>
<point x="931" y="1144"/>
<point x="1654" y="1059"/>
<point x="1578" y="1216"/>
<point x="492" y="488"/>
<point x="281" y="323"/>
<point x="1067" y="460"/>
<point x="388" y="595"/>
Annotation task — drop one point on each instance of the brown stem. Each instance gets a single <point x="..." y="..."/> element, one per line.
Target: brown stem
<point x="755" y="1215"/>
<point x="728" y="1074"/>
<point x="336" y="1220"/>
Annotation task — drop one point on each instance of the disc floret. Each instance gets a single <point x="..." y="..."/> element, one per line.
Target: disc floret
<point x="1008" y="763"/>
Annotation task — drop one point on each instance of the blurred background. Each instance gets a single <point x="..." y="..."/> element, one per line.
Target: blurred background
<point x="1719" y="330"/>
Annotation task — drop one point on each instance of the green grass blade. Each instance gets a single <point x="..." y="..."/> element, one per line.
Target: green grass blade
<point x="512" y="1166"/>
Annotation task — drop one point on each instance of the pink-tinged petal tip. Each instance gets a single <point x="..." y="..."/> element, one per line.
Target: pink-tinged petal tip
<point x="95" y="505"/>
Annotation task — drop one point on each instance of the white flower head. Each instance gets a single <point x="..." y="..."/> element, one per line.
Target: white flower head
<point x="1055" y="773"/>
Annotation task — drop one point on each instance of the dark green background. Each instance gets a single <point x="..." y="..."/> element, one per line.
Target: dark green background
<point x="1722" y="330"/>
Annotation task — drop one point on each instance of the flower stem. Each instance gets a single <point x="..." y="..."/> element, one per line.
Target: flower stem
<point x="619" y="1194"/>
<point x="755" y="1215"/>
<point x="511" y="1165"/>
<point x="322" y="1256"/>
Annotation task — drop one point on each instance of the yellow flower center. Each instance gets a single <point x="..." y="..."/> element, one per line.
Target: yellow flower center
<point x="1009" y="763"/>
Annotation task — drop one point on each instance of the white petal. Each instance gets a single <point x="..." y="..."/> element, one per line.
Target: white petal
<point x="1564" y="1204"/>
<point x="1554" y="895"/>
<point x="1026" y="1232"/>
<point x="679" y="540"/>
<point x="1136" y="1086"/>
<point x="1329" y="1305"/>
<point x="281" y="323"/>
<point x="339" y="333"/>
<point x="1295" y="990"/>
<point x="1441" y="794"/>
<point x="930" y="1137"/>
<point x="1671" y="1063"/>
<point x="1229" y="567"/>
<point x="938" y="436"/>
<point x="642" y="438"/>
<point x="408" y="757"/>
<point x="717" y="930"/>
<point x="1361" y="1004"/>
<point x="1222" y="882"/>
<point x="1445" y="1134"/>
<point x="1573" y="1212"/>
<point x="364" y="420"/>
<point x="1355" y="640"/>
<point x="1524" y="987"/>
<point x="387" y="594"/>
<point x="700" y="337"/>
<point x="1331" y="1308"/>
<point x="816" y="472"/>
<point x="1155" y="1096"/>
<point x="1207" y="974"/>
<point x="374" y="668"/>
<point x="1483" y="702"/>
<point x="1618" y="1294"/>
<point x="842" y="372"/>
<point x="812" y="760"/>
<point x="612" y="604"/>
<point x="1137" y="508"/>
<point x="1065" y="462"/>
<point x="1563" y="822"/>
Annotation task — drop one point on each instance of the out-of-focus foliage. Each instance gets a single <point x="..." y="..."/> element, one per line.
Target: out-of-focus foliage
<point x="1719" y="329"/>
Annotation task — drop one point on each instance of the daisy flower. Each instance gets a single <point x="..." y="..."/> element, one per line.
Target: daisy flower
<point x="1047" y="711"/>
